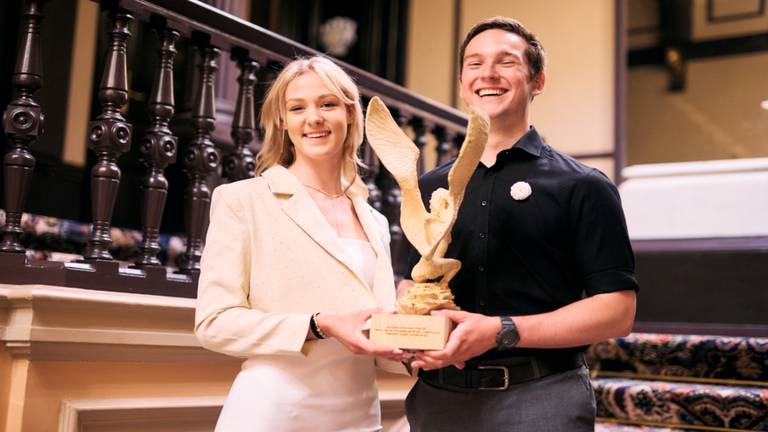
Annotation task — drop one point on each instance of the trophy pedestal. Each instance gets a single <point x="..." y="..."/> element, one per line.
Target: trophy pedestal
<point x="410" y="332"/>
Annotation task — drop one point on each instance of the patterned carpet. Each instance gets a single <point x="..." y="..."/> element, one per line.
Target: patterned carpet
<point x="713" y="357"/>
<point x="681" y="381"/>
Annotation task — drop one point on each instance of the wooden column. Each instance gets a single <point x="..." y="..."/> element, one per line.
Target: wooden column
<point x="23" y="124"/>
<point x="200" y="159"/>
<point x="109" y="136"/>
<point x="370" y="174"/>
<point x="420" y="139"/>
<point x="446" y="149"/>
<point x="373" y="168"/>
<point x="240" y="164"/>
<point x="158" y="149"/>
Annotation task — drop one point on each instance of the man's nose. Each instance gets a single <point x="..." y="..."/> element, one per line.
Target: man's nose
<point x="489" y="71"/>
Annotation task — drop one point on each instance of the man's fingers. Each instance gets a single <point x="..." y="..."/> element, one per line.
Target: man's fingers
<point x="455" y="316"/>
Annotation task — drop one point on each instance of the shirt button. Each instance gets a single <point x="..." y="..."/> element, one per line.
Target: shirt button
<point x="483" y="235"/>
<point x="480" y="268"/>
<point x="483" y="203"/>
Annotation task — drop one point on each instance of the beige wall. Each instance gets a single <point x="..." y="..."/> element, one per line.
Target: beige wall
<point x="81" y="78"/>
<point x="576" y="111"/>
<point x="717" y="116"/>
<point x="430" y="46"/>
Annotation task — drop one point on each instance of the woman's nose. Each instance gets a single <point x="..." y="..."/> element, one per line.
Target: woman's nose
<point x="314" y="116"/>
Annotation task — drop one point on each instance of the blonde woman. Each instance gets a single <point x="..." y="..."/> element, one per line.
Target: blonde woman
<point x="295" y="262"/>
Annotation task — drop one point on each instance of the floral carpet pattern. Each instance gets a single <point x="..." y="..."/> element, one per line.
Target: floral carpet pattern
<point x="645" y="378"/>
<point x="734" y="407"/>
<point x="712" y="357"/>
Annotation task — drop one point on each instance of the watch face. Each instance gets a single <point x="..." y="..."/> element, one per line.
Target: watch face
<point x="508" y="336"/>
<point x="508" y="339"/>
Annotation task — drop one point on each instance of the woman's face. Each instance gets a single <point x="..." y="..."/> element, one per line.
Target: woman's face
<point x="315" y="118"/>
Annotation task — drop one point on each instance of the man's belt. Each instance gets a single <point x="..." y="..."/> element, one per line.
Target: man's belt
<point x="499" y="374"/>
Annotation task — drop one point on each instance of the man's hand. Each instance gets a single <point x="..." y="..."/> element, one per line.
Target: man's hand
<point x="348" y="329"/>
<point x="474" y="334"/>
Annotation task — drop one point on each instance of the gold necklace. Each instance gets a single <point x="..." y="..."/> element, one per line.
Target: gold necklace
<point x="333" y="198"/>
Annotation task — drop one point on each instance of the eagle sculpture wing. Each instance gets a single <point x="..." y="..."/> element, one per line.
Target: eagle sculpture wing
<point x="469" y="155"/>
<point x="401" y="157"/>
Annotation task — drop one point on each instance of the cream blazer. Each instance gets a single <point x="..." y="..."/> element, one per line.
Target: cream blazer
<point x="271" y="260"/>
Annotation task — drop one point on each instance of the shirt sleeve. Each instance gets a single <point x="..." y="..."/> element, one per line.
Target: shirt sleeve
<point x="604" y="258"/>
<point x="224" y="319"/>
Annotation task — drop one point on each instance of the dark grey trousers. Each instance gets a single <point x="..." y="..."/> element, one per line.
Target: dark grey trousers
<point x="562" y="402"/>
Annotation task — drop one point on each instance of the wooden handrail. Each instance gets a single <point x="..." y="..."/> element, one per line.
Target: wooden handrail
<point x="209" y="32"/>
<point x="191" y="17"/>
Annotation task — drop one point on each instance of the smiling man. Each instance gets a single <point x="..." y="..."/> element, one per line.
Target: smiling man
<point x="547" y="267"/>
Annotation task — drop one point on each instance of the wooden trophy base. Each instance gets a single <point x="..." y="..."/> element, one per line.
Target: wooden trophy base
<point x="410" y="332"/>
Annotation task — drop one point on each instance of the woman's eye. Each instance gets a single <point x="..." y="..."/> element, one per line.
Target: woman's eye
<point x="329" y="104"/>
<point x="295" y="108"/>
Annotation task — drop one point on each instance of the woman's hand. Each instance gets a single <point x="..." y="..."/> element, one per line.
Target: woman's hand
<point x="348" y="329"/>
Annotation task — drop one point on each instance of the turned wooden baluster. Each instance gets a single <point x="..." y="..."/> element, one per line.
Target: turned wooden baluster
<point x="23" y="124"/>
<point x="446" y="150"/>
<point x="200" y="159"/>
<point x="458" y="140"/>
<point x="392" y="198"/>
<point x="369" y="175"/>
<point x="372" y="170"/>
<point x="109" y="136"/>
<point x="240" y="164"/>
<point x="158" y="149"/>
<point x="420" y="139"/>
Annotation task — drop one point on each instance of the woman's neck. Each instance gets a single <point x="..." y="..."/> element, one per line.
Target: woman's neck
<point x="324" y="176"/>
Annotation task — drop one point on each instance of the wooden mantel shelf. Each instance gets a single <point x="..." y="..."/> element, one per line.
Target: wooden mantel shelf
<point x="70" y="324"/>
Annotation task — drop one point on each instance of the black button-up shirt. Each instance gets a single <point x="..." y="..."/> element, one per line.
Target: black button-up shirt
<point x="564" y="241"/>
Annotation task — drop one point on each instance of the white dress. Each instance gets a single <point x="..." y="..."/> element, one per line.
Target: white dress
<point x="330" y="389"/>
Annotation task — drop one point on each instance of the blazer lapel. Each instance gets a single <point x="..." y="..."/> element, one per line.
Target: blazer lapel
<point x="299" y="207"/>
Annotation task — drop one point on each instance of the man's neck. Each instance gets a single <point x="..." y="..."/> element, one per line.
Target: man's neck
<point x="502" y="136"/>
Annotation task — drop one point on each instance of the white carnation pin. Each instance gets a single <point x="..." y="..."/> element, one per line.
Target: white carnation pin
<point x="520" y="191"/>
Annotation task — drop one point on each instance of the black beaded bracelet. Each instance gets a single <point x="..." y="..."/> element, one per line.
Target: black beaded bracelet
<point x="314" y="328"/>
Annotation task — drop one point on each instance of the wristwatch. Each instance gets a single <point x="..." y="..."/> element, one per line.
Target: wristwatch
<point x="507" y="337"/>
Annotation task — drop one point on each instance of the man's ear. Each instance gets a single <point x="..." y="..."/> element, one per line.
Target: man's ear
<point x="538" y="84"/>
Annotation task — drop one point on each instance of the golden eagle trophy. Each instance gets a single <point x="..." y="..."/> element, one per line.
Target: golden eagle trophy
<point x="428" y="231"/>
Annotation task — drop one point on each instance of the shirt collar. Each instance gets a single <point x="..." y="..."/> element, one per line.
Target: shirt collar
<point x="531" y="142"/>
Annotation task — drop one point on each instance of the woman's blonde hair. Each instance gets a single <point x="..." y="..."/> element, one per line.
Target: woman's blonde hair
<point x="277" y="147"/>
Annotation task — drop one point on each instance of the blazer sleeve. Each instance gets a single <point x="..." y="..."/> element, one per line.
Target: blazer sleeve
<point x="224" y="320"/>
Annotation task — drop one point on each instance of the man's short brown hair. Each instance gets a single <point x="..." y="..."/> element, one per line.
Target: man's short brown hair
<point x="534" y="52"/>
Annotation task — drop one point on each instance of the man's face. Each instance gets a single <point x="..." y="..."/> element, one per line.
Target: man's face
<point x="495" y="77"/>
